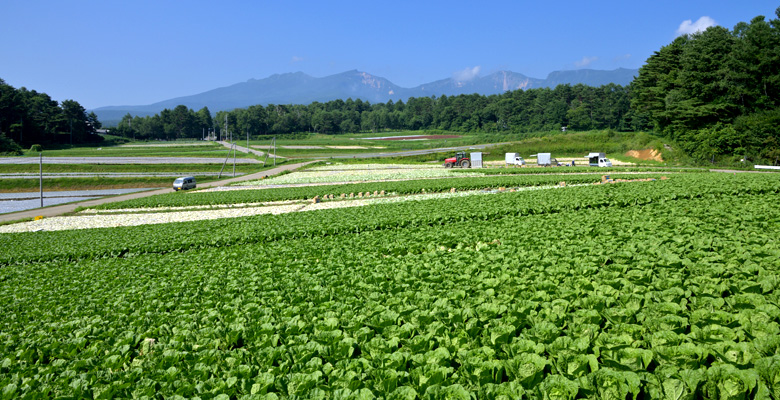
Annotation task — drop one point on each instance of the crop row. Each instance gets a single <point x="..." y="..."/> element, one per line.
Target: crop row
<point x="584" y="170"/>
<point x="181" y="199"/>
<point x="674" y="296"/>
<point x="110" y="242"/>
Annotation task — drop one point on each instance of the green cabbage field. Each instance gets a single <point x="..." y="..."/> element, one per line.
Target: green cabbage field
<point x="668" y="289"/>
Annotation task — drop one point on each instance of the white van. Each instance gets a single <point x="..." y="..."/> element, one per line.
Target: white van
<point x="598" y="160"/>
<point x="514" y="159"/>
<point x="605" y="162"/>
<point x="184" y="183"/>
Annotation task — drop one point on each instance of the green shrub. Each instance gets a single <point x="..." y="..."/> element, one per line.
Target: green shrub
<point x="8" y="146"/>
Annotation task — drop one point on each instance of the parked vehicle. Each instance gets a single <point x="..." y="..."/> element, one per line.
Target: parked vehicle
<point x="514" y="159"/>
<point x="184" y="183"/>
<point x="598" y="160"/>
<point x="460" y="160"/>
<point x="544" y="159"/>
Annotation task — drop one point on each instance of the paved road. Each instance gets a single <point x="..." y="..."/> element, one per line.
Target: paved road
<point x="66" y="208"/>
<point x="123" y="160"/>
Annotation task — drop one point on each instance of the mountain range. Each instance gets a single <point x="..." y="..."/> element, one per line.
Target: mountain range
<point x="300" y="88"/>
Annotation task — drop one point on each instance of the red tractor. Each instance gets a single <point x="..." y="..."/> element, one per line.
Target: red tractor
<point x="460" y="160"/>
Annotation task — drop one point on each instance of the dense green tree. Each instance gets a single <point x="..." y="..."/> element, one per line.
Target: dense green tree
<point x="715" y="92"/>
<point x="203" y="120"/>
<point x="28" y="117"/>
<point x="8" y="146"/>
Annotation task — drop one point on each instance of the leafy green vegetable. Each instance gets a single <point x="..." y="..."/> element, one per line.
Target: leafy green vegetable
<point x="596" y="292"/>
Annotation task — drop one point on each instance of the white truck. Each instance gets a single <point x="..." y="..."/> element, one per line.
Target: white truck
<point x="598" y="160"/>
<point x="544" y="159"/>
<point x="514" y="159"/>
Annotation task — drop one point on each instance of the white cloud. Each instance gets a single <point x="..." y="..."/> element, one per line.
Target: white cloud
<point x="624" y="57"/>
<point x="296" y="59"/>
<point x="586" y="61"/>
<point x="701" y="24"/>
<point x="466" y="74"/>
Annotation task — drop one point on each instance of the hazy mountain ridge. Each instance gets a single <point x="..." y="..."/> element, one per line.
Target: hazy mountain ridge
<point x="300" y="88"/>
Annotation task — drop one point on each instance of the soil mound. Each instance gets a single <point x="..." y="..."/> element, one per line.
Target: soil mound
<point x="646" y="154"/>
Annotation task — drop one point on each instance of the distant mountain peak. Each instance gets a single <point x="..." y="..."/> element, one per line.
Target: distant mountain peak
<point x="300" y="88"/>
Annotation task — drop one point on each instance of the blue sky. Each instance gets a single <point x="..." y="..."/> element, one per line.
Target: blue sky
<point x="102" y="53"/>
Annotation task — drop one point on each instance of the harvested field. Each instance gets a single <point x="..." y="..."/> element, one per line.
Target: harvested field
<point x="646" y="154"/>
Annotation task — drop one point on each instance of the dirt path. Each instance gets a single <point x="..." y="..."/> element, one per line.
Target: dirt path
<point x="66" y="208"/>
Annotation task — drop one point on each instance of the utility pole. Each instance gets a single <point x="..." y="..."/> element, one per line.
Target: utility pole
<point x="40" y="161"/>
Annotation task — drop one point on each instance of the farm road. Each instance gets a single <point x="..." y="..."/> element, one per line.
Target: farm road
<point x="66" y="208"/>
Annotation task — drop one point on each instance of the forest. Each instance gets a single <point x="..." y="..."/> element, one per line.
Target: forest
<point x="28" y="117"/>
<point x="716" y="93"/>
<point x="579" y="107"/>
<point x="713" y="93"/>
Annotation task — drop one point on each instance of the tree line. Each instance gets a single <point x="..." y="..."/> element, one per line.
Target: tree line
<point x="28" y="117"/>
<point x="179" y="123"/>
<point x="716" y="92"/>
<point x="579" y="107"/>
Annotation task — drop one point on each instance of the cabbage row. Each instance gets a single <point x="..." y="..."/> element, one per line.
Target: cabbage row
<point x="661" y="290"/>
<point x="163" y="238"/>
<point x="581" y="169"/>
<point x="181" y="199"/>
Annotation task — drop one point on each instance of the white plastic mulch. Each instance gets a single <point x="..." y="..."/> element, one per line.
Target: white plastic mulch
<point x="358" y="175"/>
<point x="162" y="215"/>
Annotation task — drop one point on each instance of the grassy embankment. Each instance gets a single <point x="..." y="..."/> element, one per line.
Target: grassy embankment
<point x="561" y="145"/>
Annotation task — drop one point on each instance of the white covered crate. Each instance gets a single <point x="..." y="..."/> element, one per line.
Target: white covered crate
<point x="476" y="160"/>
